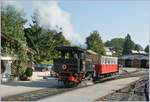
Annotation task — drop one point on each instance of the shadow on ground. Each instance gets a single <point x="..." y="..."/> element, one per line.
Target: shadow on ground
<point x="42" y="83"/>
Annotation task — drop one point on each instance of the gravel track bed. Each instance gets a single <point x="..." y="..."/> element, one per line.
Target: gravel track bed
<point x="136" y="91"/>
<point x="43" y="93"/>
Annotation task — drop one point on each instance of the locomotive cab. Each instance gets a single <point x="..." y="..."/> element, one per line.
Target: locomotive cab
<point x="70" y="60"/>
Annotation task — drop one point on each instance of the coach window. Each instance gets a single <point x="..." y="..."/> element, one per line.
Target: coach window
<point x="106" y="61"/>
<point x="115" y="61"/>
<point x="111" y="61"/>
<point x="102" y="60"/>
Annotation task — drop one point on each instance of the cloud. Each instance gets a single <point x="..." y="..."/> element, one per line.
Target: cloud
<point x="51" y="15"/>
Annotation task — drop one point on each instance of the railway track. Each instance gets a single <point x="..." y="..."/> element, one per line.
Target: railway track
<point x="136" y="91"/>
<point x="48" y="92"/>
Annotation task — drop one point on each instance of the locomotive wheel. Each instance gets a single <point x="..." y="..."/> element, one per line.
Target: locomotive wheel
<point x="69" y="84"/>
<point x="89" y="76"/>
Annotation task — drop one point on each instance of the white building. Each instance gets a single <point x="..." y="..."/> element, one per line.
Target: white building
<point x="108" y="51"/>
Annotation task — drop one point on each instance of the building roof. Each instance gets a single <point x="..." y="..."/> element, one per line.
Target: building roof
<point x="140" y="52"/>
<point x="91" y="52"/>
<point x="8" y="58"/>
<point x="107" y="49"/>
<point x="135" y="56"/>
<point x="68" y="49"/>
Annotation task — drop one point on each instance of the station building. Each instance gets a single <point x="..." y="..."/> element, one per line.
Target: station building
<point x="136" y="60"/>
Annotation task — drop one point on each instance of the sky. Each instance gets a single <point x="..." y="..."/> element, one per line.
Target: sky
<point x="79" y="18"/>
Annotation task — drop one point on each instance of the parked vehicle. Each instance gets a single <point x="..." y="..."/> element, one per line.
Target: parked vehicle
<point x="43" y="67"/>
<point x="76" y="64"/>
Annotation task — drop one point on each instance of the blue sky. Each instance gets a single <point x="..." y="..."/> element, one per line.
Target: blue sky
<point x="110" y="18"/>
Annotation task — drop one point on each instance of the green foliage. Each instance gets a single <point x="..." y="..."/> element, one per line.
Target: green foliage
<point x="59" y="40"/>
<point x="43" y="41"/>
<point x="28" y="72"/>
<point x="18" y="68"/>
<point x="108" y="43"/>
<point x="147" y="49"/>
<point x="138" y="47"/>
<point x="95" y="43"/>
<point x="128" y="45"/>
<point x="12" y="22"/>
<point x="17" y="71"/>
<point x="47" y="62"/>
<point x="116" y="44"/>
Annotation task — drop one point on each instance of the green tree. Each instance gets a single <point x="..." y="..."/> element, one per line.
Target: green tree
<point x="43" y="41"/>
<point x="59" y="40"/>
<point x="33" y="36"/>
<point x="147" y="49"/>
<point x="116" y="44"/>
<point x="138" y="47"/>
<point x="128" y="45"/>
<point x="94" y="42"/>
<point x="29" y="72"/>
<point x="108" y="43"/>
<point x="12" y="22"/>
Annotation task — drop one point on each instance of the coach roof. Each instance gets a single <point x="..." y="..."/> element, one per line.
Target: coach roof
<point x="69" y="49"/>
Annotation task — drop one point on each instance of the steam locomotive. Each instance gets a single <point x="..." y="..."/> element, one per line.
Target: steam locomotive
<point x="75" y="64"/>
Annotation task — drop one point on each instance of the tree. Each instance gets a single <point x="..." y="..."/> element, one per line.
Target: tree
<point x="12" y="22"/>
<point x="59" y="40"/>
<point x="116" y="44"/>
<point x="33" y="36"/>
<point x="138" y="47"/>
<point x="147" y="49"/>
<point x="128" y="45"/>
<point x="108" y="43"/>
<point x="95" y="43"/>
<point x="43" y="40"/>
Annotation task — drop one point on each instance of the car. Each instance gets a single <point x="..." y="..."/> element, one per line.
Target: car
<point x="40" y="67"/>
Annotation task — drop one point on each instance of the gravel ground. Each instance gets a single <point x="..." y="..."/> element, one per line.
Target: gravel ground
<point x="37" y="83"/>
<point x="135" y="91"/>
<point x="17" y="87"/>
<point x="89" y="94"/>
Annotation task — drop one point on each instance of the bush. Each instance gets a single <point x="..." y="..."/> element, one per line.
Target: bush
<point x="23" y="77"/>
<point x="28" y="72"/>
